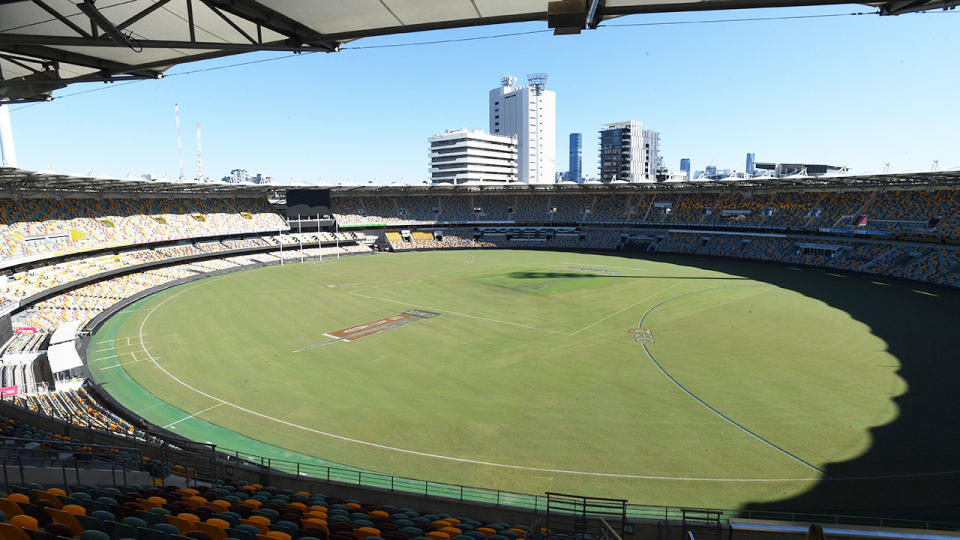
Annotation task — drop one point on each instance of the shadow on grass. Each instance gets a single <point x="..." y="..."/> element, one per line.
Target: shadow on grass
<point x="921" y="327"/>
<point x="556" y="275"/>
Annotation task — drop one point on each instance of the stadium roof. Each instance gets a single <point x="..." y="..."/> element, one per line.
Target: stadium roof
<point x="48" y="44"/>
<point x="20" y="183"/>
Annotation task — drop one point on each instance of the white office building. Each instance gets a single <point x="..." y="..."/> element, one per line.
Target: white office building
<point x="528" y="113"/>
<point x="628" y="152"/>
<point x="462" y="155"/>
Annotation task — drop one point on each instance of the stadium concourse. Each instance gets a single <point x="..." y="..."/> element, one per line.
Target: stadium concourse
<point x="71" y="256"/>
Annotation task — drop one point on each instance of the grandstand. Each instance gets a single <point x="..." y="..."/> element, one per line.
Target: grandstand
<point x="78" y="263"/>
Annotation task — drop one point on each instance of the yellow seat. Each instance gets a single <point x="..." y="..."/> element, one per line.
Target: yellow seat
<point x="365" y="532"/>
<point x="437" y="535"/>
<point x="25" y="522"/>
<point x="12" y="532"/>
<point x="277" y="535"/>
<point x="75" y="509"/>
<point x="215" y="532"/>
<point x="66" y="518"/>
<point x="452" y="531"/>
<point x="181" y="524"/>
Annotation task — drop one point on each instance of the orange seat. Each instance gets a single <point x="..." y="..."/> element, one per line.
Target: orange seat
<point x="354" y="506"/>
<point x="521" y="532"/>
<point x="439" y="524"/>
<point x="195" y="501"/>
<point x="158" y="500"/>
<point x="217" y="522"/>
<point x="453" y="521"/>
<point x="25" y="522"/>
<point x="253" y="502"/>
<point x="437" y="535"/>
<point x="364" y="532"/>
<point x="190" y="491"/>
<point x="379" y="514"/>
<point x="10" y="508"/>
<point x="18" y="498"/>
<point x="487" y="531"/>
<point x="192" y="518"/>
<point x="181" y="524"/>
<point x="221" y="504"/>
<point x="297" y="505"/>
<point x="66" y="518"/>
<point x="277" y="535"/>
<point x="216" y="533"/>
<point x="75" y="509"/>
<point x="147" y="504"/>
<point x="316" y="514"/>
<point x="51" y="498"/>
<point x="316" y="523"/>
<point x="12" y="532"/>
<point x="261" y="526"/>
<point x="452" y="531"/>
<point x="57" y="491"/>
<point x="318" y="507"/>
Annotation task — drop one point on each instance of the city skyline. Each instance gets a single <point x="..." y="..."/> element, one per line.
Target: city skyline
<point x="300" y="117"/>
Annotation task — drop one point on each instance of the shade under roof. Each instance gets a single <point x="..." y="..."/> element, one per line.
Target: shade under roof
<point x="47" y="44"/>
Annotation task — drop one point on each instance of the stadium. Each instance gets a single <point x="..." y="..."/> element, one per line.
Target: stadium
<point x="473" y="362"/>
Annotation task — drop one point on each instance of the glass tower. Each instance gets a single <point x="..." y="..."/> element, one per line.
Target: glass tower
<point x="576" y="157"/>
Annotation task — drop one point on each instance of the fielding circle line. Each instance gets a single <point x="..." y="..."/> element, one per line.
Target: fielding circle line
<point x="489" y="463"/>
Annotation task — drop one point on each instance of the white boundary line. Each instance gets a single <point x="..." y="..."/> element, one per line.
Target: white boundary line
<point x="192" y="415"/>
<point x="619" y="311"/>
<point x="502" y="465"/>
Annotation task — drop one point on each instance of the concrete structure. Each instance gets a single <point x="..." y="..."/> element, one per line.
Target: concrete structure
<point x="750" y="169"/>
<point x="628" y="152"/>
<point x="575" y="173"/>
<point x="462" y="155"/>
<point x="800" y="169"/>
<point x="529" y="114"/>
<point x="6" y="138"/>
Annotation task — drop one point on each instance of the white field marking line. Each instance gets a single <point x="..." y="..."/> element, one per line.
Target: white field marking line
<point x="115" y="347"/>
<point x="488" y="463"/>
<point x="121" y="364"/>
<point x="192" y="415"/>
<point x="429" y="308"/>
<point x="619" y="311"/>
<point x="315" y="345"/>
<point x="704" y="403"/>
<point x="438" y="456"/>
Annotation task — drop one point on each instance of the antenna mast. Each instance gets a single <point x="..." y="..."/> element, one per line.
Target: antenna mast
<point x="176" y="112"/>
<point x="200" y="177"/>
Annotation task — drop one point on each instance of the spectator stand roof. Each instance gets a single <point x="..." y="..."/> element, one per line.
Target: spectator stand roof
<point x="47" y="44"/>
<point x="24" y="184"/>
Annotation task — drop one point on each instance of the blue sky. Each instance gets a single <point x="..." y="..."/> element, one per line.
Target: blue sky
<point x="859" y="91"/>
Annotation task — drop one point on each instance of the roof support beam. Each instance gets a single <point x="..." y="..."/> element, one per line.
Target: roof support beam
<point x="229" y="21"/>
<point x="258" y="13"/>
<point x="142" y="14"/>
<point x="60" y="17"/>
<point x="68" y="41"/>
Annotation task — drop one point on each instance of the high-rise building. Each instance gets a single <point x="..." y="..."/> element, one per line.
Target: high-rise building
<point x="529" y="114"/>
<point x="751" y="168"/>
<point x="575" y="173"/>
<point x="685" y="167"/>
<point x="628" y="152"/>
<point x="458" y="156"/>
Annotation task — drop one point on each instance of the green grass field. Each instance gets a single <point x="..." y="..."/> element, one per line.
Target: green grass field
<point x="763" y="386"/>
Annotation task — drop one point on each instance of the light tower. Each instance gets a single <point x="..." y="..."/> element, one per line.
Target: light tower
<point x="200" y="177"/>
<point x="176" y="112"/>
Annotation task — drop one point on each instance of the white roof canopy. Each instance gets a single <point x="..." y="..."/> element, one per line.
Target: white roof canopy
<point x="62" y="352"/>
<point x="47" y="44"/>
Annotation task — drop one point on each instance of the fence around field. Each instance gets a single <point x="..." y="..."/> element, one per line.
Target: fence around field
<point x="538" y="503"/>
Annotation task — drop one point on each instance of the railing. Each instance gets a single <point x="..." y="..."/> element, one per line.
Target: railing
<point x="538" y="503"/>
<point x="67" y="456"/>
